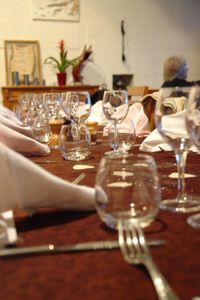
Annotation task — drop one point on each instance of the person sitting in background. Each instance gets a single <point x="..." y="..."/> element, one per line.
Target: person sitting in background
<point x="175" y="72"/>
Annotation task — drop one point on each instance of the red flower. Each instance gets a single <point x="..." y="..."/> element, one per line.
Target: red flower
<point x="61" y="45"/>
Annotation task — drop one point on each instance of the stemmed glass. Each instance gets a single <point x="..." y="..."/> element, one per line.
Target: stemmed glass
<point x="52" y="104"/>
<point x="77" y="106"/>
<point x="193" y="127"/>
<point x="170" y="122"/>
<point x="127" y="188"/>
<point x="75" y="137"/>
<point x="115" y="107"/>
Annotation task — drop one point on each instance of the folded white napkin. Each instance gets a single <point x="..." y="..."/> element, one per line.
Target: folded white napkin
<point x="173" y="124"/>
<point x="137" y="116"/>
<point x="15" y="126"/>
<point x="26" y="185"/>
<point x="21" y="143"/>
<point x="96" y="114"/>
<point x="9" y="114"/>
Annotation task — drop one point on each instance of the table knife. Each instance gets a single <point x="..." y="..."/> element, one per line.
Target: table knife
<point x="52" y="249"/>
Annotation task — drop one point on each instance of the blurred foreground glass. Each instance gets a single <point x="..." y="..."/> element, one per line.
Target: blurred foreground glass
<point x="74" y="142"/>
<point x="170" y="114"/>
<point x="127" y="188"/>
<point x="193" y="127"/>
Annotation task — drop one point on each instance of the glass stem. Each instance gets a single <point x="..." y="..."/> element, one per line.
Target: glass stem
<point x="115" y="136"/>
<point x="181" y="157"/>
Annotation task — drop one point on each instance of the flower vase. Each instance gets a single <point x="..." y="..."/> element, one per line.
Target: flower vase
<point x="61" y="77"/>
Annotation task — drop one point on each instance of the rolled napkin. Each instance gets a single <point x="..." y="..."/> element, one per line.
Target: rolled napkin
<point x="137" y="116"/>
<point x="173" y="124"/>
<point x="15" y="126"/>
<point x="9" y="114"/>
<point x="21" y="143"/>
<point x="26" y="185"/>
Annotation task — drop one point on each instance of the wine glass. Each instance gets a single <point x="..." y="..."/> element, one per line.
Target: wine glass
<point x="115" y="107"/>
<point x="77" y="106"/>
<point x="126" y="136"/>
<point x="52" y="104"/>
<point x="170" y="114"/>
<point x="127" y="187"/>
<point x="193" y="127"/>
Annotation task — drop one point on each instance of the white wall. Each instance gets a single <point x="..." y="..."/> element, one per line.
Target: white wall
<point x="155" y="29"/>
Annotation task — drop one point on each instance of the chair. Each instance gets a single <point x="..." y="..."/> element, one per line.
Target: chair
<point x="135" y="93"/>
<point x="149" y="103"/>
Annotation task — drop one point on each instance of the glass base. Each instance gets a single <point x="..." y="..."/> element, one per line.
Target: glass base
<point x="54" y="147"/>
<point x="75" y="155"/>
<point x="194" y="221"/>
<point x="115" y="153"/>
<point x="187" y="205"/>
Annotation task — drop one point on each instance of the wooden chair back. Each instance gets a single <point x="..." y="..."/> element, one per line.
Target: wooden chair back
<point x="135" y="93"/>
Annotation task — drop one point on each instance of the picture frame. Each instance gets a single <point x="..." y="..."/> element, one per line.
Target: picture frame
<point x="56" y="10"/>
<point x="22" y="62"/>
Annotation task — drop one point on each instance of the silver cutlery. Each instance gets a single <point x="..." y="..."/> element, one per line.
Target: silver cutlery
<point x="52" y="249"/>
<point x="79" y="178"/>
<point x="43" y="162"/>
<point x="135" y="251"/>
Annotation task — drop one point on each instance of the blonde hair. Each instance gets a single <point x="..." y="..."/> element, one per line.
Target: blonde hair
<point x="175" y="67"/>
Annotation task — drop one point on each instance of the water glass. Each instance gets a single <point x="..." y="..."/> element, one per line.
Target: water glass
<point x="74" y="142"/>
<point x="41" y="128"/>
<point x="93" y="128"/>
<point x="125" y="137"/>
<point x="127" y="187"/>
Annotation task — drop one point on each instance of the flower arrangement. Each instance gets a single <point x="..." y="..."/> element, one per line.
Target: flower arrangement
<point x="63" y="63"/>
<point x="77" y="66"/>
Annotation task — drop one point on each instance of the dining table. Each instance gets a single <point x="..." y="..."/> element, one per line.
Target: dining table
<point x="102" y="274"/>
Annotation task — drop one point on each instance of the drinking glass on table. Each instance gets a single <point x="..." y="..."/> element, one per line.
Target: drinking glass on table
<point x="125" y="136"/>
<point x="75" y="136"/>
<point x="22" y="107"/>
<point x="41" y="127"/>
<point x="115" y="107"/>
<point x="77" y="106"/>
<point x="127" y="188"/>
<point x="52" y="103"/>
<point x="193" y="127"/>
<point x="170" y="121"/>
<point x="74" y="142"/>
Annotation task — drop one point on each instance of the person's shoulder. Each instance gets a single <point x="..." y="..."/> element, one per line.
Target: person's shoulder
<point x="197" y="82"/>
<point x="177" y="82"/>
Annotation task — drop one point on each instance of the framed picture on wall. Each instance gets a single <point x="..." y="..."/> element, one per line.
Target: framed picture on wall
<point x="56" y="10"/>
<point x="22" y="61"/>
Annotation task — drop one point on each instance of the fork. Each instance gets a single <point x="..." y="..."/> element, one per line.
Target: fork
<point x="135" y="251"/>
